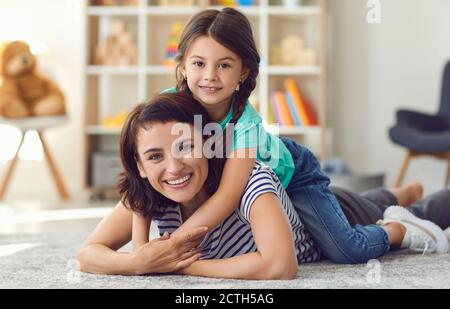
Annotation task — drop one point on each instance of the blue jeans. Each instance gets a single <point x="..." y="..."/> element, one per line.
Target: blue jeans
<point x="322" y="215"/>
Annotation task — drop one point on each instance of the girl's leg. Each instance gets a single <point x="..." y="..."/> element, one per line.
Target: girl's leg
<point x="323" y="217"/>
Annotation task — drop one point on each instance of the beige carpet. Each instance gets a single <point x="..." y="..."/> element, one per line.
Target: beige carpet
<point x="46" y="261"/>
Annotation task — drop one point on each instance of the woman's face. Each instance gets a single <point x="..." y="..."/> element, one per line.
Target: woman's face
<point x="173" y="165"/>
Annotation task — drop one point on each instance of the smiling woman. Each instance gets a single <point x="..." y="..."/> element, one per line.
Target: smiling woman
<point x="152" y="154"/>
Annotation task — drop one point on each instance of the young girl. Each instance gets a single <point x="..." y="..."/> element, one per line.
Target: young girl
<point x="218" y="64"/>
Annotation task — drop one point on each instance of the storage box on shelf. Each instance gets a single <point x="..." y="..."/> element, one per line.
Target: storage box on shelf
<point x="150" y="27"/>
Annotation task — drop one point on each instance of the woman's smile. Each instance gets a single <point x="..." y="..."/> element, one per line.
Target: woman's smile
<point x="180" y="182"/>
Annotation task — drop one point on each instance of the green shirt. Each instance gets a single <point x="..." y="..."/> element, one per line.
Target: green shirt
<point x="250" y="133"/>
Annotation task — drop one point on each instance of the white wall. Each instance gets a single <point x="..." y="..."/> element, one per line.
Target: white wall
<point x="379" y="68"/>
<point x="59" y="25"/>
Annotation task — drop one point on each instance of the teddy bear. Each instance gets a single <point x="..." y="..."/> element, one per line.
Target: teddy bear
<point x="23" y="92"/>
<point x="292" y="51"/>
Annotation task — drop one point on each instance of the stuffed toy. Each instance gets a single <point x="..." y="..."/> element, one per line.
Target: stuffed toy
<point x="23" y="92"/>
<point x="292" y="51"/>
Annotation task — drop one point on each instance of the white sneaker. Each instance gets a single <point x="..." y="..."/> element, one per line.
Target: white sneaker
<point x="421" y="235"/>
<point x="447" y="232"/>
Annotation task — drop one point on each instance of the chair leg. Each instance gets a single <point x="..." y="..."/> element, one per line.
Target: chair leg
<point x="404" y="167"/>
<point x="9" y="170"/>
<point x="64" y="195"/>
<point x="447" y="179"/>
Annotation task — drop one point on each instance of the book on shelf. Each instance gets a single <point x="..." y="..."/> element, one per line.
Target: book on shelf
<point x="271" y="114"/>
<point x="285" y="117"/>
<point x="299" y="103"/>
<point x="275" y="109"/>
<point x="293" y="109"/>
<point x="311" y="113"/>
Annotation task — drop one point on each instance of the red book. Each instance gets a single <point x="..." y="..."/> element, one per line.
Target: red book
<point x="311" y="113"/>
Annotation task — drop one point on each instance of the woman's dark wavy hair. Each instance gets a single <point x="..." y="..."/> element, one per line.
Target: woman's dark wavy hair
<point x="231" y="29"/>
<point x="137" y="193"/>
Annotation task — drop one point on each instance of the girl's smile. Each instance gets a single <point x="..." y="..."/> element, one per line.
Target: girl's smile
<point x="210" y="90"/>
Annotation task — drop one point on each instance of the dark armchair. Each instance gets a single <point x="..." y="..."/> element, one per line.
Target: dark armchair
<point x="424" y="134"/>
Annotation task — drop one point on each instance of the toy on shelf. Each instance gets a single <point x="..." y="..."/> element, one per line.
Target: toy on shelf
<point x="292" y="51"/>
<point x="245" y="2"/>
<point x="118" y="48"/>
<point x="176" y="2"/>
<point x="172" y="44"/>
<point x="115" y="2"/>
<point x="24" y="92"/>
<point x="116" y="121"/>
<point x="225" y="2"/>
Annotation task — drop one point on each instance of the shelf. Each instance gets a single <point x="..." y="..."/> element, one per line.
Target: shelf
<point x="112" y="11"/>
<point x="280" y="130"/>
<point x="247" y="10"/>
<point x="179" y="10"/>
<point x="306" y="10"/>
<point x="112" y="70"/>
<point x="101" y="130"/>
<point x="291" y="70"/>
<point x="190" y="10"/>
<point x="160" y="70"/>
<point x="111" y="90"/>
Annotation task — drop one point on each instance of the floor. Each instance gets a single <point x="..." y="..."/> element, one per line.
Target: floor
<point x="38" y="242"/>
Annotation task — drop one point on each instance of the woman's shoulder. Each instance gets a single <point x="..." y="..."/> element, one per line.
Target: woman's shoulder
<point x="262" y="175"/>
<point x="262" y="180"/>
<point x="262" y="168"/>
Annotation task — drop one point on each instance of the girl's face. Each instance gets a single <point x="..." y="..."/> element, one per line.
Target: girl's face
<point x="167" y="160"/>
<point x="213" y="73"/>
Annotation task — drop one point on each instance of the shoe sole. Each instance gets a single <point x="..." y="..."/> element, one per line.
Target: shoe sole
<point x="402" y="214"/>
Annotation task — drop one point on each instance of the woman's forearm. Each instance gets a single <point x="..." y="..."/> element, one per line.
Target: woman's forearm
<point x="250" y="266"/>
<point x="99" y="259"/>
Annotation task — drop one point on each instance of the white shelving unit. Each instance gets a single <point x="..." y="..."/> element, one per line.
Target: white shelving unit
<point x="112" y="89"/>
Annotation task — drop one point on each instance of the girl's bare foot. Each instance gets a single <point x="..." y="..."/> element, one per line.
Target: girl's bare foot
<point x="408" y="194"/>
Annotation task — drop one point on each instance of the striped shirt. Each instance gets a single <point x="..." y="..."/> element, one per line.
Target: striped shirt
<point x="234" y="235"/>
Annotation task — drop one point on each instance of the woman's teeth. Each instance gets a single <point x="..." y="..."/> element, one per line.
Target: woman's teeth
<point x="179" y="181"/>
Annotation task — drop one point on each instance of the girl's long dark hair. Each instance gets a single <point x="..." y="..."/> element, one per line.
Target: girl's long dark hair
<point x="231" y="29"/>
<point x="137" y="193"/>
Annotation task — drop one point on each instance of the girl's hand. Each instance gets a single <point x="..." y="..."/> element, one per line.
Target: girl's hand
<point x="168" y="254"/>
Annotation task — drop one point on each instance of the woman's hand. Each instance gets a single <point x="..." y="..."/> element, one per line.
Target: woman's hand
<point x="169" y="254"/>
